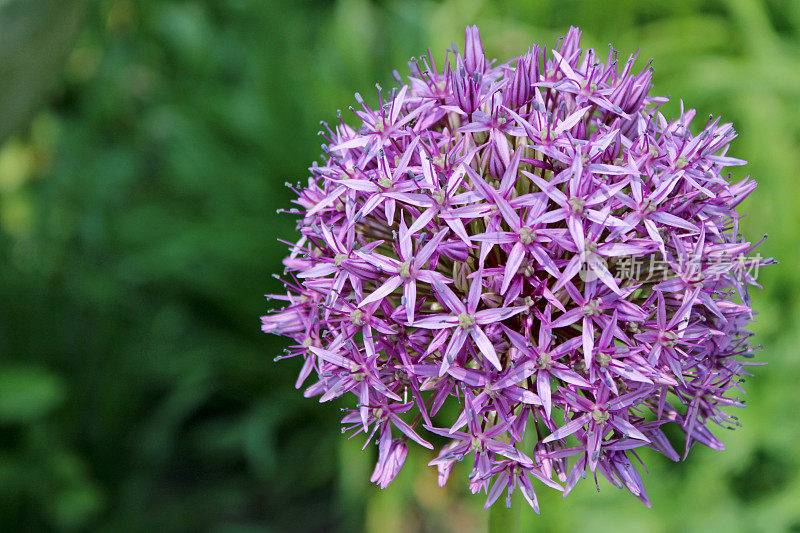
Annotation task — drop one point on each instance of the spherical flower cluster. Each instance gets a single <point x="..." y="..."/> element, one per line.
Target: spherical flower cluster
<point x="535" y="245"/>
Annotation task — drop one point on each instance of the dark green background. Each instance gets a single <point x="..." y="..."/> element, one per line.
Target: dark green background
<point x="138" y="192"/>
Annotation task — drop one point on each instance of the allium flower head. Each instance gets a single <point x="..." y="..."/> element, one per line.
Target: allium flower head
<point x="535" y="244"/>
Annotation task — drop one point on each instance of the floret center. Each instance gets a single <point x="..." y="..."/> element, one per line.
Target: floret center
<point x="604" y="359"/>
<point x="669" y="338"/>
<point x="527" y="234"/>
<point x="600" y="415"/>
<point x="405" y="270"/>
<point x="466" y="321"/>
<point x="357" y="317"/>
<point x="577" y="205"/>
<point x="592" y="307"/>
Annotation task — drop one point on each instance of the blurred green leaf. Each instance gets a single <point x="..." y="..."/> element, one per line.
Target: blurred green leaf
<point x="28" y="393"/>
<point x="35" y="37"/>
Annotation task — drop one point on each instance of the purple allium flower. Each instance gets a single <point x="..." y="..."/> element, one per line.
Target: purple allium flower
<point x="535" y="244"/>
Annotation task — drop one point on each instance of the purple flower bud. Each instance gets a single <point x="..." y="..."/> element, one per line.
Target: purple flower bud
<point x="466" y="88"/>
<point x="519" y="89"/>
<point x="474" y="56"/>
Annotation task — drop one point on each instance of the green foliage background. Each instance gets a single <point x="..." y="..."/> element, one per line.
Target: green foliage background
<point x="138" y="234"/>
